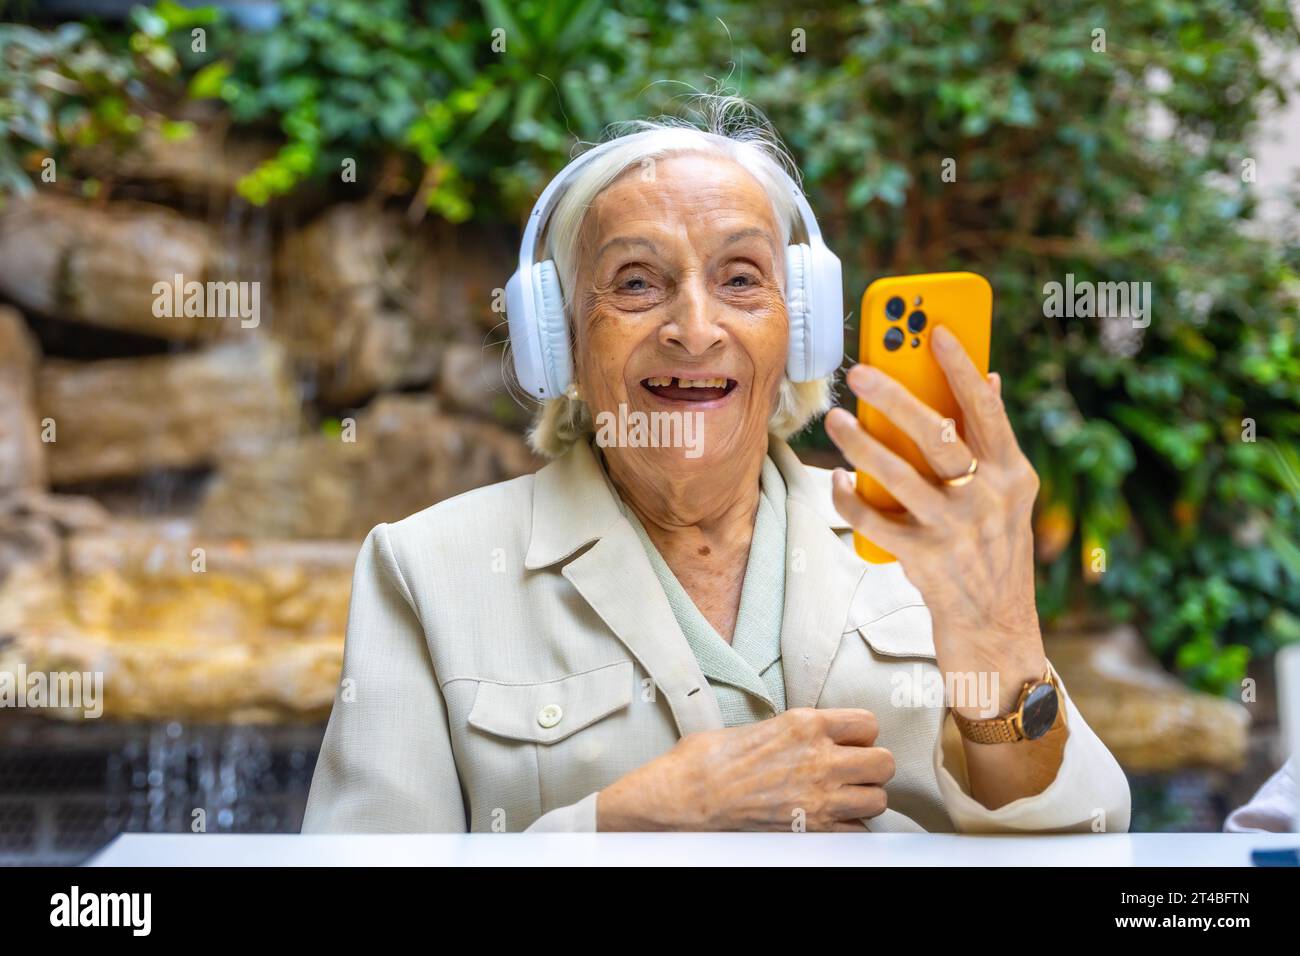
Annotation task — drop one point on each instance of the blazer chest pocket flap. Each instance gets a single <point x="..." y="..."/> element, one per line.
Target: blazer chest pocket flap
<point x="549" y="711"/>
<point x="904" y="632"/>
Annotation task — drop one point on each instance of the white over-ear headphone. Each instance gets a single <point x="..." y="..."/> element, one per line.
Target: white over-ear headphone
<point x="539" y="333"/>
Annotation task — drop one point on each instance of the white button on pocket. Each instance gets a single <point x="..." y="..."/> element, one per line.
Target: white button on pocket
<point x="546" y="712"/>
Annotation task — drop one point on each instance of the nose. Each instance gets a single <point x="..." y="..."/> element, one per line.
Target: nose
<point x="692" y="324"/>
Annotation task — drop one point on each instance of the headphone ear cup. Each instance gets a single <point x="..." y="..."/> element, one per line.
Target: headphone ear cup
<point x="798" y="305"/>
<point x="552" y="329"/>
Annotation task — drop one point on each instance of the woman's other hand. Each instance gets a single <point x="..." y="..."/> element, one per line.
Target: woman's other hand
<point x="803" y="769"/>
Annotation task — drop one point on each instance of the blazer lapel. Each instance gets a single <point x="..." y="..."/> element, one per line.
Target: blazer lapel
<point x="822" y="575"/>
<point x="574" y="505"/>
<point x="617" y="581"/>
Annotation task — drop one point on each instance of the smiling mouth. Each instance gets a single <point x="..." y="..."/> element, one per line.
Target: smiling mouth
<point x="689" y="389"/>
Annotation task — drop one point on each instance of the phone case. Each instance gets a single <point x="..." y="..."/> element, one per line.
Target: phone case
<point x="962" y="301"/>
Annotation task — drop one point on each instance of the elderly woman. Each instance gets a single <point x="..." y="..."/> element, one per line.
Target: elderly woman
<point x="647" y="636"/>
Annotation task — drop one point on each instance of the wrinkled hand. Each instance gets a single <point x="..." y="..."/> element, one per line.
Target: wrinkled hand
<point x="814" y="768"/>
<point x="968" y="549"/>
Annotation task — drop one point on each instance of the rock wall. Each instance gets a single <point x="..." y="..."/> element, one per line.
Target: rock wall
<point x="188" y="627"/>
<point x="122" y="417"/>
<point x="97" y="265"/>
<point x="1150" y="720"/>
<point x="22" y="455"/>
<point x="407" y="454"/>
<point x="138" y="436"/>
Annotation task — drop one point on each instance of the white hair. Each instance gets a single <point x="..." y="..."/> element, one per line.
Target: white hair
<point x="732" y="129"/>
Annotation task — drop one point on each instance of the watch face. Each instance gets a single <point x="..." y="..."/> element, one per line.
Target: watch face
<point x="1039" y="712"/>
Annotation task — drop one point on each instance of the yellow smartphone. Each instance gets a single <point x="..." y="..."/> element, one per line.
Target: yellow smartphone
<point x="898" y="315"/>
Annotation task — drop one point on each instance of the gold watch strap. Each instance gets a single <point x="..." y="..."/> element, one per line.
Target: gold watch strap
<point x="999" y="730"/>
<point x="994" y="730"/>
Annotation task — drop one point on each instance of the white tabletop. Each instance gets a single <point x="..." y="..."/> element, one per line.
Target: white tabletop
<point x="690" y="849"/>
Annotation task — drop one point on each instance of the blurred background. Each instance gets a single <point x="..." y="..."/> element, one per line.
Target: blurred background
<point x="182" y="496"/>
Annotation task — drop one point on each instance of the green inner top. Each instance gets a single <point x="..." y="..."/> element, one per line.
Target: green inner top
<point x="745" y="676"/>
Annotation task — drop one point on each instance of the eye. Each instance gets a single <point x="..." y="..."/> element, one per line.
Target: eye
<point x="741" y="281"/>
<point x="634" y="279"/>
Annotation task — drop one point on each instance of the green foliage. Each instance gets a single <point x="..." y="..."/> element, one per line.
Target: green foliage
<point x="449" y="89"/>
<point x="58" y="89"/>
<point x="1123" y="163"/>
<point x="73" y="87"/>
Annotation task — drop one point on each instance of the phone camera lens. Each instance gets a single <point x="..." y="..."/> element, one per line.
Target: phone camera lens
<point x="916" y="321"/>
<point x="915" y="342"/>
<point x="894" y="308"/>
<point x="894" y="339"/>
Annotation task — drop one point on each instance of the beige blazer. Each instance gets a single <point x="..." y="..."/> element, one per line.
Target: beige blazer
<point x="510" y="652"/>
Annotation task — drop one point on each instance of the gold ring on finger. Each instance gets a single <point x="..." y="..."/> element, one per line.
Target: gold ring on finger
<point x="966" y="478"/>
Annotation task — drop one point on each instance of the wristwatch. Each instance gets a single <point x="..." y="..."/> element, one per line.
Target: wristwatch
<point x="1034" y="715"/>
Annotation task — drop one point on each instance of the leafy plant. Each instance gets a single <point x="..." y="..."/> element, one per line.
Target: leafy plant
<point x="457" y="87"/>
<point x="74" y="87"/>
<point x="58" y="89"/>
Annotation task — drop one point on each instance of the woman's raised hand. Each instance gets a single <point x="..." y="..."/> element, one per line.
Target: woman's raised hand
<point x="968" y="548"/>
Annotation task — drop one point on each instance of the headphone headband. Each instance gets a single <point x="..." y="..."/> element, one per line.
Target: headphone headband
<point x="539" y="334"/>
<point x="543" y="207"/>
